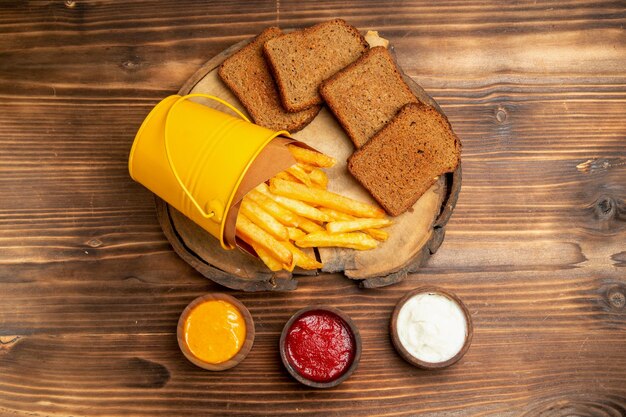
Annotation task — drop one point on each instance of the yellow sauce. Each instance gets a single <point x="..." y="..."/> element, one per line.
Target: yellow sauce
<point x="215" y="331"/>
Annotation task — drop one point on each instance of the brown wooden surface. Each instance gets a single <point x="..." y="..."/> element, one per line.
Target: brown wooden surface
<point x="91" y="291"/>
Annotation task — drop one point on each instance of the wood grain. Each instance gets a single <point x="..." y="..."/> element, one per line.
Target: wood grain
<point x="91" y="290"/>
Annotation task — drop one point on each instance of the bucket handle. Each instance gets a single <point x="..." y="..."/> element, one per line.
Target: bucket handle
<point x="205" y="214"/>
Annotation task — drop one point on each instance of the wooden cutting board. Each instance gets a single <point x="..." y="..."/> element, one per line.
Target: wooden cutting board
<point x="414" y="236"/>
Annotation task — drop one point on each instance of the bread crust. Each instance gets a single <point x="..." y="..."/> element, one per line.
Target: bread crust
<point x="269" y="112"/>
<point x="404" y="94"/>
<point x="282" y="80"/>
<point x="389" y="199"/>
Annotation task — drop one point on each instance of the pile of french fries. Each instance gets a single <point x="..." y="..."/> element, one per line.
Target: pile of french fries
<point x="295" y="212"/>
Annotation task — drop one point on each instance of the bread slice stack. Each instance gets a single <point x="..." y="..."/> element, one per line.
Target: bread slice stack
<point x="302" y="60"/>
<point x="248" y="77"/>
<point x="367" y="94"/>
<point x="277" y="76"/>
<point x="401" y="144"/>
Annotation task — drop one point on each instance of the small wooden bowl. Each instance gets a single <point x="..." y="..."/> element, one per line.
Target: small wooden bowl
<point x="243" y="352"/>
<point x="393" y="329"/>
<point x="357" y="347"/>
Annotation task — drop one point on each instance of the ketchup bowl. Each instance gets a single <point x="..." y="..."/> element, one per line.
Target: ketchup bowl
<point x="320" y="346"/>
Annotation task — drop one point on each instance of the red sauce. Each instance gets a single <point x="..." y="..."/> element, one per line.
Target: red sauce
<point x="320" y="346"/>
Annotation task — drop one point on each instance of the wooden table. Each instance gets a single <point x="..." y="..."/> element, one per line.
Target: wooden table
<point x="91" y="291"/>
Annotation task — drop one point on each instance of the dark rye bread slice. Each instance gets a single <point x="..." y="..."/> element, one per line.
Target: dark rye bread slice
<point x="302" y="59"/>
<point x="401" y="161"/>
<point x="248" y="77"/>
<point x="367" y="94"/>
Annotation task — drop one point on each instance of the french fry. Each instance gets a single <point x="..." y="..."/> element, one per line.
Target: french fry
<point x="295" y="233"/>
<point x="324" y="198"/>
<point x="355" y="240"/>
<point x="377" y="234"/>
<point x="254" y="235"/>
<point x="307" y="225"/>
<point x="310" y="157"/>
<point x="335" y="214"/>
<point x="272" y="263"/>
<point x="356" y="224"/>
<point x="319" y="178"/>
<point x="299" y="173"/>
<point x="297" y="211"/>
<point x="301" y="259"/>
<point x="286" y="217"/>
<point x="306" y="167"/>
<point x="298" y="207"/>
<point x="263" y="188"/>
<point x="284" y="175"/>
<point x="263" y="219"/>
<point x="303" y="209"/>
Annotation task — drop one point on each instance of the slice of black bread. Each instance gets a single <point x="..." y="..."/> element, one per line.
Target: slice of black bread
<point x="401" y="161"/>
<point x="248" y="77"/>
<point x="367" y="94"/>
<point x="302" y="59"/>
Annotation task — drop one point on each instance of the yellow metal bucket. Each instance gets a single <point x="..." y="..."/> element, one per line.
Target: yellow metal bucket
<point x="195" y="157"/>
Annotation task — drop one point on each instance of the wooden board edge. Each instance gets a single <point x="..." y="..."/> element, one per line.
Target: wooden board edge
<point x="210" y="65"/>
<point x="451" y="198"/>
<point x="433" y="243"/>
<point x="453" y="187"/>
<point x="271" y="281"/>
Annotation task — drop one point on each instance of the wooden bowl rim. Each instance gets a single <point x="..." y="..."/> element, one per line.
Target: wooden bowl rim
<point x="357" y="348"/>
<point x="393" y="328"/>
<point x="245" y="348"/>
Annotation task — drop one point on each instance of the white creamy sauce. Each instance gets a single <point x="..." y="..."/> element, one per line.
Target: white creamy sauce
<point x="431" y="327"/>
